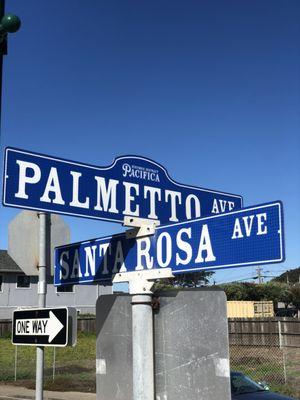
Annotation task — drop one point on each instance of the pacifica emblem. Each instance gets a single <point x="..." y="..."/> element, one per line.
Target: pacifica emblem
<point x="134" y="171"/>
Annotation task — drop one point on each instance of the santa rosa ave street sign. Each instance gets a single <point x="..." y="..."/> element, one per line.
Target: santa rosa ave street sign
<point x="44" y="326"/>
<point x="131" y="186"/>
<point x="245" y="237"/>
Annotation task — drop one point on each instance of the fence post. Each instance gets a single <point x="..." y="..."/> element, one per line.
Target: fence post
<point x="53" y="365"/>
<point x="282" y="348"/>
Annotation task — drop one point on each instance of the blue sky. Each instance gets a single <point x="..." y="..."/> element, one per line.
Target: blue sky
<point x="209" y="89"/>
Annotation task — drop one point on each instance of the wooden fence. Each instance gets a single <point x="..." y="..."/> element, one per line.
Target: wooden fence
<point x="5" y="327"/>
<point x="84" y="324"/>
<point x="275" y="331"/>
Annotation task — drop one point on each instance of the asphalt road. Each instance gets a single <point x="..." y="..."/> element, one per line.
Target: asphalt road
<point x="9" y="392"/>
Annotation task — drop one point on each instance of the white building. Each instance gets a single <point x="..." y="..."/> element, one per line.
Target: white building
<point x="20" y="290"/>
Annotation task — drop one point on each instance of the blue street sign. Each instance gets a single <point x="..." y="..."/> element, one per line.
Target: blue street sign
<point x="131" y="186"/>
<point x="246" y="237"/>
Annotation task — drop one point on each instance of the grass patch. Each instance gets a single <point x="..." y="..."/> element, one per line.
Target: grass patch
<point x="74" y="366"/>
<point x="288" y="390"/>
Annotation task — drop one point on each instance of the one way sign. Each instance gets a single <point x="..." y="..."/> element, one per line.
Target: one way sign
<point x="44" y="327"/>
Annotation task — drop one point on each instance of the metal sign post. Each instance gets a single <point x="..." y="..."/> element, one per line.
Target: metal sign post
<point x="42" y="291"/>
<point x="142" y="347"/>
<point x="140" y="284"/>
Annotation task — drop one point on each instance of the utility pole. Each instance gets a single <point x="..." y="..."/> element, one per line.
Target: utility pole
<point x="259" y="274"/>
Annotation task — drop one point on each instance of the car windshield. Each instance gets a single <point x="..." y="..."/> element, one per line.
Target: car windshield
<point x="242" y="384"/>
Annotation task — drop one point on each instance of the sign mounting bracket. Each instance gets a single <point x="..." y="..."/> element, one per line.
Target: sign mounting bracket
<point x="141" y="282"/>
<point x="141" y="227"/>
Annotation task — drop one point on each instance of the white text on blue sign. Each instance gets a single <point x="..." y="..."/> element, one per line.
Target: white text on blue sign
<point x="131" y="186"/>
<point x="246" y="237"/>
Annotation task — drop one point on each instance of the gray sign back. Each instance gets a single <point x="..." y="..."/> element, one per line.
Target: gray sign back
<point x="23" y="240"/>
<point x="191" y="346"/>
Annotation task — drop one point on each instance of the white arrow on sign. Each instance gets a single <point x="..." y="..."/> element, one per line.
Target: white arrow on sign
<point x="39" y="326"/>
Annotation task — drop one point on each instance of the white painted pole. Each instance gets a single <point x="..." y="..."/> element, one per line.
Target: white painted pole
<point x="44" y="226"/>
<point x="142" y="347"/>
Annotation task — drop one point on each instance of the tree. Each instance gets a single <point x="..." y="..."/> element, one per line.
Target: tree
<point x="243" y="291"/>
<point x="234" y="291"/>
<point x="254" y="292"/>
<point x="291" y="276"/>
<point x="272" y="291"/>
<point x="191" y="279"/>
<point x="295" y="292"/>
<point x="277" y="291"/>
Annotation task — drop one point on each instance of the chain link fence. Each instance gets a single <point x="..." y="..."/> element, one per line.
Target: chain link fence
<point x="267" y="351"/>
<point x="263" y="355"/>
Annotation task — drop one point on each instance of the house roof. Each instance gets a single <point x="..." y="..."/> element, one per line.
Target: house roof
<point x="7" y="264"/>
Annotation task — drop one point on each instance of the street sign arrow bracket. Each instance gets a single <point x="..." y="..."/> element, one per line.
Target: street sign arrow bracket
<point x="141" y="282"/>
